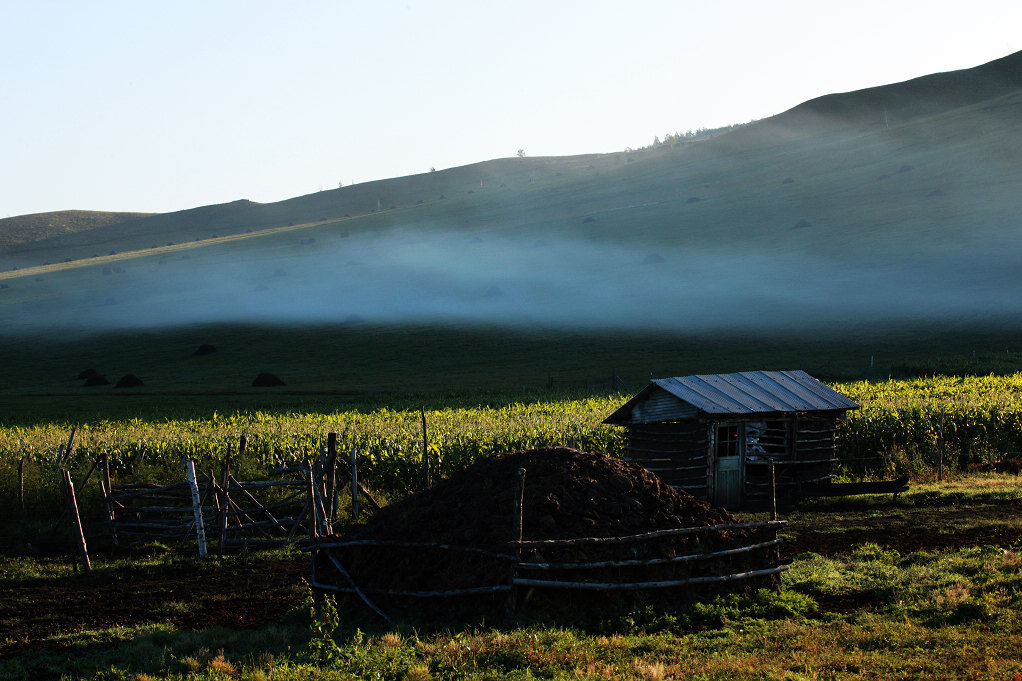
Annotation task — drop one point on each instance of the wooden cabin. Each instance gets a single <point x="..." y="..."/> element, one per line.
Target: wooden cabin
<point x="715" y="436"/>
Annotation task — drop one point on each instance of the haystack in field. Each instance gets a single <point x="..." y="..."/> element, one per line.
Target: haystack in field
<point x="129" y="381"/>
<point x="98" y="379"/>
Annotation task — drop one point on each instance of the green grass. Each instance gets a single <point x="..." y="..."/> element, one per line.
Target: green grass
<point x="951" y="615"/>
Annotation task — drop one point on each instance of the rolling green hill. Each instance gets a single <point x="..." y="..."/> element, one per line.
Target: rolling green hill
<point x="25" y="229"/>
<point x="846" y="216"/>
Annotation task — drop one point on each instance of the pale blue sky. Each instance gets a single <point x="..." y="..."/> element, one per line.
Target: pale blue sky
<point x="149" y="106"/>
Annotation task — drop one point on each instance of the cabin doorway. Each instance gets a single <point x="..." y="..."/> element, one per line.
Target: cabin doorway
<point x="727" y="478"/>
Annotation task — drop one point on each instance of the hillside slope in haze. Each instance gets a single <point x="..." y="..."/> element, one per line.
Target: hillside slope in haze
<point x="24" y="229"/>
<point x="897" y="203"/>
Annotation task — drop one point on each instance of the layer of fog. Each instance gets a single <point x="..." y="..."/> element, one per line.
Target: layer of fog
<point x="453" y="278"/>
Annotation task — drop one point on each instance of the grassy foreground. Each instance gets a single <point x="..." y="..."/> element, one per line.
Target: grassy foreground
<point x="868" y="612"/>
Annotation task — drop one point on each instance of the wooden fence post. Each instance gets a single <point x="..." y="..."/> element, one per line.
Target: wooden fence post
<point x="354" y="484"/>
<point x="940" y="449"/>
<point x="242" y="447"/>
<point x="225" y="500"/>
<point x="66" y="451"/>
<point x="313" y="514"/>
<point x="76" y="522"/>
<point x="331" y="478"/>
<point x="107" y="490"/>
<point x="22" y="510"/>
<point x="516" y="538"/>
<point x="193" y="486"/>
<point x="425" y="449"/>
<point x="773" y="492"/>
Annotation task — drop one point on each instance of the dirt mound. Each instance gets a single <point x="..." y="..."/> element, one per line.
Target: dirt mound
<point x="567" y="495"/>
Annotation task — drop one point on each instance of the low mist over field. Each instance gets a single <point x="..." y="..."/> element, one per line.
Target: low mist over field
<point x="449" y="278"/>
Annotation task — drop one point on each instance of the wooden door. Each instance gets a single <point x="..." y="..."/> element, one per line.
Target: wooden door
<point x="727" y="473"/>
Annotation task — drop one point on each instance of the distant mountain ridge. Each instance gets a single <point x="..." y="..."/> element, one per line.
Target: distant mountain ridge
<point x="856" y="111"/>
<point x="906" y="101"/>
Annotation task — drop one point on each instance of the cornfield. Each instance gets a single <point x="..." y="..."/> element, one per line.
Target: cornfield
<point x="897" y="430"/>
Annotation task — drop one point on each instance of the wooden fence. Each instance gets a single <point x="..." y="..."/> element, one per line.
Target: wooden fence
<point x="301" y="501"/>
<point x="687" y="561"/>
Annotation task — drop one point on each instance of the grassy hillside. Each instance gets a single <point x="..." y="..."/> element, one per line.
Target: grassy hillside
<point x="834" y="222"/>
<point x="26" y="229"/>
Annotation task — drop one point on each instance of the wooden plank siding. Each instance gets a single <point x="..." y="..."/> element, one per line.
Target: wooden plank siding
<point x="677" y="452"/>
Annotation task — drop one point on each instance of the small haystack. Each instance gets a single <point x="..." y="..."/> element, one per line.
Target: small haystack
<point x="204" y="349"/>
<point x="129" y="381"/>
<point x="98" y="379"/>
<point x="88" y="373"/>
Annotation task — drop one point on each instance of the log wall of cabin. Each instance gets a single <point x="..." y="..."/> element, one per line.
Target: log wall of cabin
<point x="677" y="452"/>
<point x="808" y="457"/>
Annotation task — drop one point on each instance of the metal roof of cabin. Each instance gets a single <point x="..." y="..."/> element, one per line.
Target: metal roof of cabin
<point x="745" y="393"/>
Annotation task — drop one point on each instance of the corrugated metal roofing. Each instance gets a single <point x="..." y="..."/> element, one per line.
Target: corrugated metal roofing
<point x="750" y="392"/>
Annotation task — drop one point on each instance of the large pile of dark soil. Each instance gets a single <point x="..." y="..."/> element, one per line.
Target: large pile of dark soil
<point x="567" y="495"/>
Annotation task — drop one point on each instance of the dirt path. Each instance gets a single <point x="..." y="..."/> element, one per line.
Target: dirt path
<point x="188" y="595"/>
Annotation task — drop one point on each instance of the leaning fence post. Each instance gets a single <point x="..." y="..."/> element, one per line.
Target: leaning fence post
<point x="193" y="485"/>
<point x="354" y="484"/>
<point x="516" y="540"/>
<point x="76" y="522"/>
<point x="313" y="515"/>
